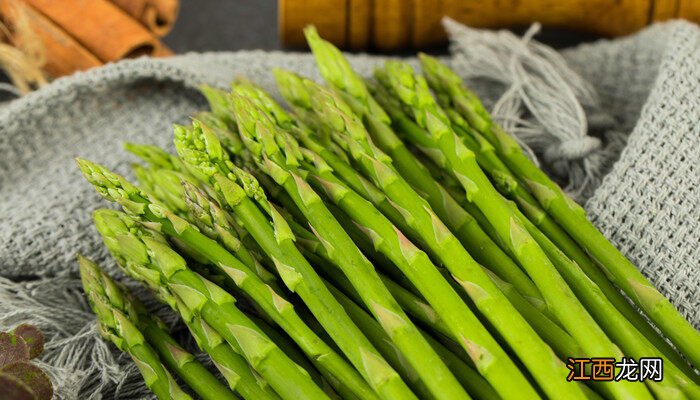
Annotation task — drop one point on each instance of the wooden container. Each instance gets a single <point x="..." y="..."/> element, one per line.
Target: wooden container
<point x="396" y="24"/>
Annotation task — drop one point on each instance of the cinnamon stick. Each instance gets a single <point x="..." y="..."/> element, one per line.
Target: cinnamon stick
<point x="157" y="15"/>
<point x="104" y="29"/>
<point x="62" y="54"/>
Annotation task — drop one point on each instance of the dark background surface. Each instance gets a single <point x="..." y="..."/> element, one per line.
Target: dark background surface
<point x="215" y="25"/>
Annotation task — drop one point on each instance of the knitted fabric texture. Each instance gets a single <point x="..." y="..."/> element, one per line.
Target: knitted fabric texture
<point x="646" y="88"/>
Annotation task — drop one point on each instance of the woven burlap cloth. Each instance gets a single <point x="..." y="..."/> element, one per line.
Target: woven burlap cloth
<point x="643" y="194"/>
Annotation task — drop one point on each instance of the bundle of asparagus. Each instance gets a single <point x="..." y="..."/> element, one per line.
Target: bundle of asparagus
<point x="384" y="239"/>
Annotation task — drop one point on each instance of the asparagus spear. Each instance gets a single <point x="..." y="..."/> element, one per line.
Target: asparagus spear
<point x="412" y="90"/>
<point x="215" y="305"/>
<point x="313" y="250"/>
<point x="219" y="104"/>
<point x="217" y="224"/>
<point x="117" y="327"/>
<point x="384" y="344"/>
<point x="567" y="213"/>
<point x="509" y="184"/>
<point x="370" y="192"/>
<point x="232" y="366"/>
<point x="459" y="221"/>
<point x="148" y="258"/>
<point x="200" y="148"/>
<point x="493" y="304"/>
<point x="476" y="385"/>
<point x="212" y="218"/>
<point x="541" y="323"/>
<point x="177" y="359"/>
<point x="278" y="157"/>
<point x="226" y="132"/>
<point x="550" y="331"/>
<point x="336" y="69"/>
<point x="612" y="321"/>
<point x="155" y="156"/>
<point x="338" y="73"/>
<point x="157" y="159"/>
<point x="506" y="182"/>
<point x="163" y="184"/>
<point x="563" y="343"/>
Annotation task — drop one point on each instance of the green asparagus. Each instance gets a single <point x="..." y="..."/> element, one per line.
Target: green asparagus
<point x="116" y="326"/>
<point x="177" y="359"/>
<point x="570" y="215"/>
<point x="232" y="366"/>
<point x="279" y="156"/>
<point x="216" y="306"/>
<point x="413" y="91"/>
<point x="200" y="148"/>
<point x="422" y="220"/>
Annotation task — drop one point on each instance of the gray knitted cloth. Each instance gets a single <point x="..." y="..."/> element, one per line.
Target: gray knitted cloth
<point x="644" y="89"/>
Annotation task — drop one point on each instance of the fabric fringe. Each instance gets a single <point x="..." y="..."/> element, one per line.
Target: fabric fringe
<point x="79" y="362"/>
<point x="548" y="107"/>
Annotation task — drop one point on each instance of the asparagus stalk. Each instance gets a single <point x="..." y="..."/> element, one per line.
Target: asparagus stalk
<point x="542" y="324"/>
<point x="280" y="338"/>
<point x="412" y="90"/>
<point x="384" y="344"/>
<point x="219" y="104"/>
<point x="459" y="221"/>
<point x="561" y="342"/>
<point x="620" y="330"/>
<point x="335" y="390"/>
<point x="195" y="375"/>
<point x="306" y="136"/>
<point x="410" y="303"/>
<point x="509" y="184"/>
<point x="232" y="366"/>
<point x="278" y="157"/>
<point x="200" y="148"/>
<point x="298" y="95"/>
<point x="155" y="156"/>
<point x="567" y="213"/>
<point x="542" y="363"/>
<point x="476" y="385"/>
<point x="612" y="321"/>
<point x="148" y="257"/>
<point x="158" y="158"/>
<point x="506" y="182"/>
<point x="417" y="308"/>
<point x="118" y="328"/>
<point x="208" y="215"/>
<point x="215" y="305"/>
<point x="337" y="72"/>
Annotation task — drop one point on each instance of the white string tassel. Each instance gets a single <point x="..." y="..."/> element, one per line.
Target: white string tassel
<point x="544" y="105"/>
